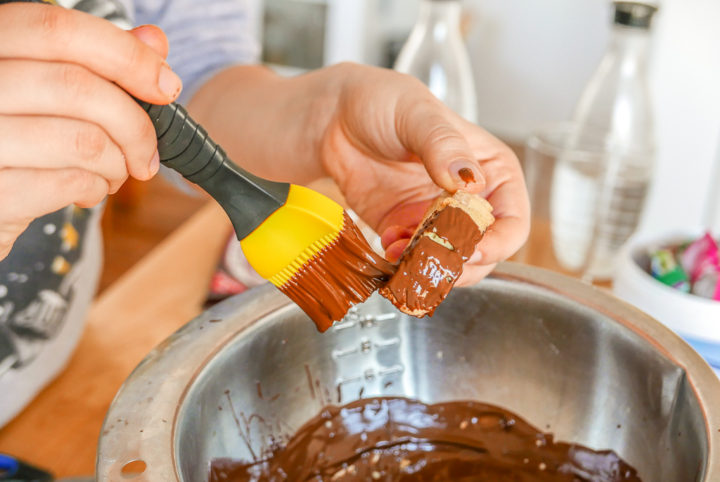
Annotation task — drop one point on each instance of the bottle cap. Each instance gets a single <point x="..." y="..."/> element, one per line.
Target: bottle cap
<point x="634" y="14"/>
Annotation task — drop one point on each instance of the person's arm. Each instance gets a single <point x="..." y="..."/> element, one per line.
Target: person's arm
<point x="270" y="124"/>
<point x="387" y="142"/>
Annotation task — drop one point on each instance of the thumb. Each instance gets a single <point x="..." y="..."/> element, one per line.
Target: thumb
<point x="153" y="37"/>
<point x="425" y="129"/>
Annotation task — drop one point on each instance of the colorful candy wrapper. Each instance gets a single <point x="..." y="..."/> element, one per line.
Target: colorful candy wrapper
<point x="664" y="268"/>
<point x="698" y="256"/>
<point x="708" y="286"/>
<point x="700" y="259"/>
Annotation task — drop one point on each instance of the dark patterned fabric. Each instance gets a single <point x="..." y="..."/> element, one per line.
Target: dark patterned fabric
<point x="36" y="281"/>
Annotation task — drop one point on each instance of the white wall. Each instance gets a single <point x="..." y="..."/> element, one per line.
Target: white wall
<point x="686" y="82"/>
<point x="531" y="60"/>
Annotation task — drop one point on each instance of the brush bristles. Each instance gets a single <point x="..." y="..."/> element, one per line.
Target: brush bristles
<point x="326" y="282"/>
<point x="315" y="249"/>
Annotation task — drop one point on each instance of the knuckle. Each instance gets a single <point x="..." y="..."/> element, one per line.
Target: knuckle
<point x="442" y="137"/>
<point x="75" y="78"/>
<point x="53" y="22"/>
<point x="133" y="59"/>
<point x="90" y="189"/>
<point x="90" y="142"/>
<point x="81" y="181"/>
<point x="506" y="152"/>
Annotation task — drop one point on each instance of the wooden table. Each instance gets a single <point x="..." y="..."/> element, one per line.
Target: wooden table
<point x="59" y="429"/>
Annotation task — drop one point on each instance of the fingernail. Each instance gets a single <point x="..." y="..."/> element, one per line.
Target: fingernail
<point x="465" y="173"/>
<point x="169" y="83"/>
<point x="154" y="163"/>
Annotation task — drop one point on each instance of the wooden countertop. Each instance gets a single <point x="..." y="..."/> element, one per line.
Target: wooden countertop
<point x="58" y="431"/>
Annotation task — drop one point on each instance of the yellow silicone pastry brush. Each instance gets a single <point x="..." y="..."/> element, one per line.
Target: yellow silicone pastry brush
<point x="301" y="241"/>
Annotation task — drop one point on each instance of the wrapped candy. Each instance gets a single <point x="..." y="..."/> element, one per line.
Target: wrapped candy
<point x="699" y="256"/>
<point x="664" y="268"/>
<point x="701" y="260"/>
<point x="691" y="267"/>
<point x="708" y="285"/>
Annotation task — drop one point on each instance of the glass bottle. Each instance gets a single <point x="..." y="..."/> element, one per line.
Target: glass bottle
<point x="436" y="54"/>
<point x="602" y="175"/>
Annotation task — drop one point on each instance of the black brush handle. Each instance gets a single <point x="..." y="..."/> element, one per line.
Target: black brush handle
<point x="186" y="147"/>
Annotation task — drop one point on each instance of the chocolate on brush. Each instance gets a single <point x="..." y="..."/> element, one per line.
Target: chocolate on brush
<point x="434" y="258"/>
<point x="343" y="273"/>
<point x="397" y="439"/>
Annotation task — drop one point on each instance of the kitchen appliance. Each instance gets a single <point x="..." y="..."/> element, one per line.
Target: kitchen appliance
<point x="567" y="357"/>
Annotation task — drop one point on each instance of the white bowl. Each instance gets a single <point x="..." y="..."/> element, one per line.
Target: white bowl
<point x="694" y="318"/>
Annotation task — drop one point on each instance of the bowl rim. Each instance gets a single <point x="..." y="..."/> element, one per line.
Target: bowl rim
<point x="148" y="431"/>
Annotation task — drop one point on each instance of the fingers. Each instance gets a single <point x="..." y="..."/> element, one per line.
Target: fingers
<point x="71" y="91"/>
<point x="394" y="240"/>
<point x="506" y="192"/>
<point x="50" y="33"/>
<point x="52" y="142"/>
<point x="153" y="37"/>
<point x="406" y="215"/>
<point x="503" y="239"/>
<point x="31" y="193"/>
<point x="473" y="273"/>
<point x="511" y="208"/>
<point x="394" y="251"/>
<point x="425" y="129"/>
<point x="398" y="226"/>
<point x="393" y="234"/>
<point x="26" y="194"/>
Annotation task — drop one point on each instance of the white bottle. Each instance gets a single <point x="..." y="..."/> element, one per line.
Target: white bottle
<point x="436" y="54"/>
<point x="602" y="175"/>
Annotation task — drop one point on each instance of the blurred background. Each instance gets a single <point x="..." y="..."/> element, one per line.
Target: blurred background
<point x="531" y="61"/>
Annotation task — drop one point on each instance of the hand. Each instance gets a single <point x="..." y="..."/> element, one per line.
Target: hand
<point x="69" y="130"/>
<point x="391" y="147"/>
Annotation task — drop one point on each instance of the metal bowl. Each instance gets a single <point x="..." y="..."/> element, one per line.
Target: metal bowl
<point x="569" y="358"/>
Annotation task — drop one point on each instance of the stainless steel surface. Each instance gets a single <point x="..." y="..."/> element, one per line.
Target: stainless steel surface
<point x="567" y="357"/>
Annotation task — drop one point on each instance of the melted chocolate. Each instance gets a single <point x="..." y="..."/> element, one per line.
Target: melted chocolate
<point x="342" y="274"/>
<point x="433" y="261"/>
<point x="405" y="440"/>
